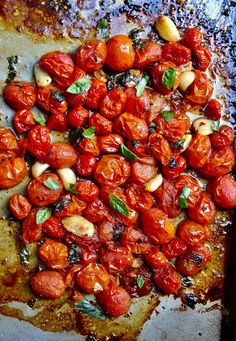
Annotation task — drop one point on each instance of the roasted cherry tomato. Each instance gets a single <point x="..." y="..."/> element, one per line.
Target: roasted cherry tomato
<point x="194" y="187"/>
<point x="93" y="278"/>
<point x="213" y="110"/>
<point x="142" y="172"/>
<point x="204" y="212"/>
<point x="174" y="167"/>
<point x="95" y="93"/>
<point x="75" y="100"/>
<point x="167" y="199"/>
<point x="77" y="116"/>
<point x="167" y="279"/>
<point x="116" y="259"/>
<point x="157" y="226"/>
<point x="20" y="95"/>
<point x="12" y="172"/>
<point x="157" y="73"/>
<point x="120" y="53"/>
<point x="223" y="190"/>
<point x="137" y="282"/>
<point x="155" y="258"/>
<point x="85" y="165"/>
<point x="48" y="284"/>
<point x="135" y="241"/>
<point x="192" y="232"/>
<point x="150" y="53"/>
<point x="87" y="190"/>
<point x="8" y="144"/>
<point x="61" y="155"/>
<point x="159" y="147"/>
<point x="109" y="143"/>
<point x="112" y="170"/>
<point x="88" y="146"/>
<point x="23" y="120"/>
<point x="222" y="138"/>
<point x="51" y="100"/>
<point x="96" y="211"/>
<point x="68" y="205"/>
<point x="57" y="122"/>
<point x="113" y="103"/>
<point x="54" y="254"/>
<point x="193" y="260"/>
<point x="102" y="125"/>
<point x="174" y="248"/>
<point x="131" y="127"/>
<point x="53" y="227"/>
<point x="176" y="53"/>
<point x="106" y="190"/>
<point x="192" y="38"/>
<point x="109" y="231"/>
<point x="220" y="162"/>
<point x="19" y="206"/>
<point x="91" y="55"/>
<point x="138" y="148"/>
<point x="31" y="231"/>
<point x="138" y="198"/>
<point x="45" y="189"/>
<point x="203" y="57"/>
<point x="198" y="151"/>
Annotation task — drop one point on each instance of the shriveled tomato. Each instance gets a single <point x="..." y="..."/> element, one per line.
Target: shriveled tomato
<point x="53" y="227"/>
<point x="95" y="211"/>
<point x="174" y="248"/>
<point x="138" y="198"/>
<point x="85" y="165"/>
<point x="223" y="191"/>
<point x="222" y="138"/>
<point x="150" y="53"/>
<point x="157" y="72"/>
<point x="115" y="300"/>
<point x="174" y="167"/>
<point x="155" y="258"/>
<point x="87" y="190"/>
<point x="157" y="226"/>
<point x="102" y="125"/>
<point x="54" y="254"/>
<point x="95" y="93"/>
<point x="109" y="143"/>
<point x="194" y="187"/>
<point x="203" y="57"/>
<point x="192" y="232"/>
<point x="91" y="55"/>
<point x="23" y="120"/>
<point x="48" y="284"/>
<point x="19" y="206"/>
<point x="193" y="260"/>
<point x="59" y="65"/>
<point x="61" y="155"/>
<point x="75" y="100"/>
<point x="8" y="144"/>
<point x="31" y="231"/>
<point x="88" y="146"/>
<point x="137" y="147"/>
<point x="167" y="279"/>
<point x="135" y="241"/>
<point x="120" y="53"/>
<point x="57" y="122"/>
<point x="131" y="127"/>
<point x="68" y="205"/>
<point x="213" y="109"/>
<point x="12" y="172"/>
<point x="51" y="99"/>
<point x="129" y="279"/>
<point x="112" y="170"/>
<point x="113" y="103"/>
<point x="77" y="116"/>
<point x="198" y="151"/>
<point x="20" y="95"/>
<point x="109" y="231"/>
<point x="204" y="212"/>
<point x="142" y="172"/>
<point x="159" y="147"/>
<point x="167" y="196"/>
<point x="45" y="189"/>
<point x="116" y="259"/>
<point x="176" y="53"/>
<point x="220" y="162"/>
<point x="192" y="38"/>
<point x="93" y="278"/>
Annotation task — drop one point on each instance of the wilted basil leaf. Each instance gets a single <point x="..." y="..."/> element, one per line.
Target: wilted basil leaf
<point x="183" y="197"/>
<point x="103" y="28"/>
<point x="80" y="86"/>
<point x="168" y="78"/>
<point x="73" y="190"/>
<point x="196" y="258"/>
<point x="140" y="281"/>
<point x="40" y="119"/>
<point x="89" y="133"/>
<point x="141" y="86"/>
<point x="215" y="125"/>
<point x="51" y="184"/>
<point x="59" y="205"/>
<point x="42" y="215"/>
<point x="58" y="96"/>
<point x="168" y="115"/>
<point x="74" y="254"/>
<point x="128" y="154"/>
<point x="186" y="281"/>
<point x="178" y="144"/>
<point x="12" y="61"/>
<point x="24" y="256"/>
<point x="172" y="163"/>
<point x="118" y="205"/>
<point x="85" y="307"/>
<point x="117" y="232"/>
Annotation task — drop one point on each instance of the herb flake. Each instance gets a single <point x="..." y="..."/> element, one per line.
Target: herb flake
<point x="215" y="125"/>
<point x="186" y="281"/>
<point x="74" y="254"/>
<point x="40" y="119"/>
<point x="178" y="144"/>
<point x="58" y="96"/>
<point x="128" y="154"/>
<point x="140" y="281"/>
<point x="168" y="78"/>
<point x="103" y="28"/>
<point x="42" y="215"/>
<point x="80" y="86"/>
<point x="168" y="115"/>
<point x="118" y="205"/>
<point x="73" y="190"/>
<point x="85" y="307"/>
<point x="89" y="133"/>
<point x="183" y="197"/>
<point x="51" y="184"/>
<point x="141" y="86"/>
<point x="12" y="61"/>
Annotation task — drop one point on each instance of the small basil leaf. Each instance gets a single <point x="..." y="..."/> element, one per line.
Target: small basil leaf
<point x="215" y="125"/>
<point x="42" y="215"/>
<point x="74" y="254"/>
<point x="51" y="184"/>
<point x="80" y="86"/>
<point x="103" y="28"/>
<point x="40" y="119"/>
<point x="118" y="205"/>
<point x="183" y="197"/>
<point x="58" y="96"/>
<point x="178" y="144"/>
<point x="140" y="281"/>
<point x="128" y="154"/>
<point x="59" y="205"/>
<point x="24" y="256"/>
<point x="89" y="133"/>
<point x="85" y="307"/>
<point x="141" y="86"/>
<point x="168" y="78"/>
<point x="72" y="189"/>
<point x="168" y="115"/>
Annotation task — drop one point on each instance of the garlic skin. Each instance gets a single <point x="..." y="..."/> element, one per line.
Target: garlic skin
<point x="39" y="168"/>
<point x="186" y="79"/>
<point x="67" y="177"/>
<point x="203" y="126"/>
<point x="153" y="184"/>
<point x="42" y="78"/>
<point x="167" y="29"/>
<point x="78" y="225"/>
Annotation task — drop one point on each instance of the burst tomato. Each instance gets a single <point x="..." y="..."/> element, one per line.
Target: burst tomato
<point x="142" y="172"/>
<point x="138" y="198"/>
<point x="204" y="212"/>
<point x="75" y="100"/>
<point x="61" y="155"/>
<point x="31" y="231"/>
<point x="167" y="199"/>
<point x="87" y="190"/>
<point x="192" y="232"/>
<point x="116" y="259"/>
<point x="220" y="162"/>
<point x="159" y="147"/>
<point x="54" y="254"/>
<point x="85" y="165"/>
<point x="57" y="122"/>
<point x="102" y="125"/>
<point x="198" y="151"/>
<point x="95" y="93"/>
<point x="157" y="73"/>
<point x="213" y="110"/>
<point x="8" y="144"/>
<point x="113" y="103"/>
<point x="174" y="167"/>
<point x="91" y="55"/>
<point x="131" y="127"/>
<point x="12" y="172"/>
<point x="192" y="184"/>
<point x="93" y="278"/>
<point x="88" y="146"/>
<point x="222" y="138"/>
<point x="53" y="227"/>
<point x="23" y="120"/>
<point x="95" y="211"/>
<point x="109" y="143"/>
<point x="176" y="53"/>
<point x="167" y="279"/>
<point x="192" y="38"/>
<point x="129" y="279"/>
<point x="51" y="100"/>
<point x="155" y="258"/>
<point x="68" y="205"/>
<point x="19" y="206"/>
<point x="150" y="53"/>
<point x="77" y="116"/>
<point x="203" y="57"/>
<point x="135" y="241"/>
<point x="20" y="95"/>
<point x="174" y="248"/>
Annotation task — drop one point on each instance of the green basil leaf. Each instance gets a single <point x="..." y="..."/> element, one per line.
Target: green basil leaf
<point x="186" y="281"/>
<point x="74" y="254"/>
<point x="103" y="28"/>
<point x="73" y="190"/>
<point x="168" y="115"/>
<point x="168" y="78"/>
<point x="183" y="197"/>
<point x="215" y="125"/>
<point x="128" y="154"/>
<point x="141" y="86"/>
<point x="24" y="256"/>
<point x="89" y="133"/>
<point x="59" y="205"/>
<point x="42" y="215"/>
<point x="178" y="144"/>
<point x="51" y="184"/>
<point x="80" y="86"/>
<point x="140" y="281"/>
<point x="40" y="119"/>
<point x="118" y="205"/>
<point x="58" y="96"/>
<point x="85" y="307"/>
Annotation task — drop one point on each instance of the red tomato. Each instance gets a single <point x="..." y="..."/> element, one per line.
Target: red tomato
<point x="12" y="172"/>
<point x="87" y="190"/>
<point x="159" y="147"/>
<point x="138" y="198"/>
<point x="19" y="206"/>
<point x="57" y="122"/>
<point x="135" y="241"/>
<point x="176" y="53"/>
<point x="174" y="248"/>
<point x="157" y="226"/>
<point x="174" y="167"/>
<point x="126" y="220"/>
<point x="53" y="227"/>
<point x="116" y="259"/>
<point x="102" y="125"/>
<point x="192" y="232"/>
<point x="40" y="194"/>
<point x="23" y="120"/>
<point x="8" y="144"/>
<point x="204" y="212"/>
<point x="93" y="279"/>
<point x="20" y="95"/>
<point x="54" y="254"/>
<point x="113" y="103"/>
<point x="91" y="55"/>
<point x="220" y="162"/>
<point x="109" y="143"/>
<point x="167" y="279"/>
<point x="155" y="258"/>
<point x="129" y="280"/>
<point x="97" y="90"/>
<point x="150" y="53"/>
<point x="157" y="72"/>
<point x="77" y="116"/>
<point x="75" y="100"/>
<point x="222" y="138"/>
<point x="193" y="260"/>
<point x="223" y="190"/>
<point x="85" y="165"/>
<point x="48" y="284"/>
<point x="190" y="182"/>
<point x="192" y="38"/>
<point x="131" y="127"/>
<point x="137" y="147"/>
<point x="68" y="205"/>
<point x="95" y="211"/>
<point x="198" y="151"/>
<point x="111" y="170"/>
<point x="109" y="231"/>
<point x="142" y="172"/>
<point x="115" y="300"/>
<point x="31" y="231"/>
<point x="61" y="155"/>
<point x="167" y="199"/>
<point x="203" y="57"/>
<point x="51" y="99"/>
<point x="88" y="146"/>
<point x="213" y="110"/>
<point x="120" y="53"/>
